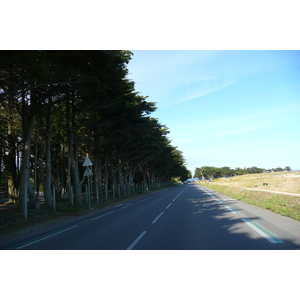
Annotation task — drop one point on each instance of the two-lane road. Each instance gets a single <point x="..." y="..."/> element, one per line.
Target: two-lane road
<point x="183" y="217"/>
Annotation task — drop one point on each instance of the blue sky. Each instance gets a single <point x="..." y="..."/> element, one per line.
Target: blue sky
<point x="225" y="108"/>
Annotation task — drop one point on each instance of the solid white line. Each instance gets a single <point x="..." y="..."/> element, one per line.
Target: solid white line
<point x="233" y="211"/>
<point x="46" y="237"/>
<point x="228" y="207"/>
<point x="136" y="240"/>
<point x="260" y="231"/>
<point x="157" y="217"/>
<point x="169" y="205"/>
<point x="102" y="215"/>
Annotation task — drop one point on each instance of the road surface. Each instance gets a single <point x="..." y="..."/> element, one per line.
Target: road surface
<point x="186" y="217"/>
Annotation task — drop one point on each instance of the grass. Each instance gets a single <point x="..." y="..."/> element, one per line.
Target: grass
<point x="11" y="218"/>
<point x="278" y="181"/>
<point x="286" y="205"/>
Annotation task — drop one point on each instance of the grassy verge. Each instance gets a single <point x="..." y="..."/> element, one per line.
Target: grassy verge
<point x="285" y="205"/>
<point x="13" y="219"/>
<point x="278" y="181"/>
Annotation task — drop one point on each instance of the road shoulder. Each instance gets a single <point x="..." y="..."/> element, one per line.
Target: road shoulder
<point x="284" y="227"/>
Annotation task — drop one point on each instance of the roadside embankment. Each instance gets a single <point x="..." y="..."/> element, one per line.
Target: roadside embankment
<point x="281" y="202"/>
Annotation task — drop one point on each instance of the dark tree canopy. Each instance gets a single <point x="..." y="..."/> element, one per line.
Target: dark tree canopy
<point x="57" y="107"/>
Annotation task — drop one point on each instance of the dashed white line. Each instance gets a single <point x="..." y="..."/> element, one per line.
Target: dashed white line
<point x="136" y="240"/>
<point x="154" y="221"/>
<point x="157" y="217"/>
<point x="169" y="205"/>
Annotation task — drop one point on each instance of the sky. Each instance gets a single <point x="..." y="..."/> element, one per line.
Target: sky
<point x="225" y="108"/>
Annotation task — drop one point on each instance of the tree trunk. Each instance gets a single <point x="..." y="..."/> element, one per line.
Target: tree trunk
<point x="106" y="183"/>
<point x="145" y="178"/>
<point x="113" y="181"/>
<point x="34" y="201"/>
<point x="75" y="166"/>
<point x="47" y="182"/>
<point x="27" y="135"/>
<point x="100" y="180"/>
<point x="97" y="174"/>
<point x="11" y="165"/>
<point x="74" y="151"/>
<point x="120" y="180"/>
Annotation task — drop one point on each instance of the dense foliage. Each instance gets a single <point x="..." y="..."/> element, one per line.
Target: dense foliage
<point x="210" y="173"/>
<point x="57" y="107"/>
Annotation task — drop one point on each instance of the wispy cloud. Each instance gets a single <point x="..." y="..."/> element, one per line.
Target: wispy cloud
<point x="196" y="95"/>
<point x="202" y="78"/>
<point x="245" y="129"/>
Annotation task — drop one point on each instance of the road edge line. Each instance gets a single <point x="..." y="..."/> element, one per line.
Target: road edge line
<point x="44" y="238"/>
<point x="263" y="232"/>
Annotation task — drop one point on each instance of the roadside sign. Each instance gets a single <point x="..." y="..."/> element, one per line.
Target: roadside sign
<point x="88" y="172"/>
<point x="87" y="162"/>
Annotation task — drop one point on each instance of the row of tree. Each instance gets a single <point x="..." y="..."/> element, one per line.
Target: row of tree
<point x="57" y="107"/>
<point x="210" y="173"/>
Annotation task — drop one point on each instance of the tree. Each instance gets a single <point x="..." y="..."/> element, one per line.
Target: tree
<point x="279" y="169"/>
<point x="59" y="106"/>
<point x="226" y="172"/>
<point x="239" y="171"/>
<point x="208" y="172"/>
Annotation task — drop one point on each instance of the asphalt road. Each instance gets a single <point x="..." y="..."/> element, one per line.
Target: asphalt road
<point x="186" y="217"/>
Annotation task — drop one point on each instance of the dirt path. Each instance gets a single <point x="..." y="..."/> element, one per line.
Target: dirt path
<point x="270" y="191"/>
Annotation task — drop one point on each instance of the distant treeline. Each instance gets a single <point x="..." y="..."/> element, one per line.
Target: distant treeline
<point x="213" y="172"/>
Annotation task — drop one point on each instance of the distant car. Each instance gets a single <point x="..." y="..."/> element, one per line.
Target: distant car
<point x="189" y="181"/>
